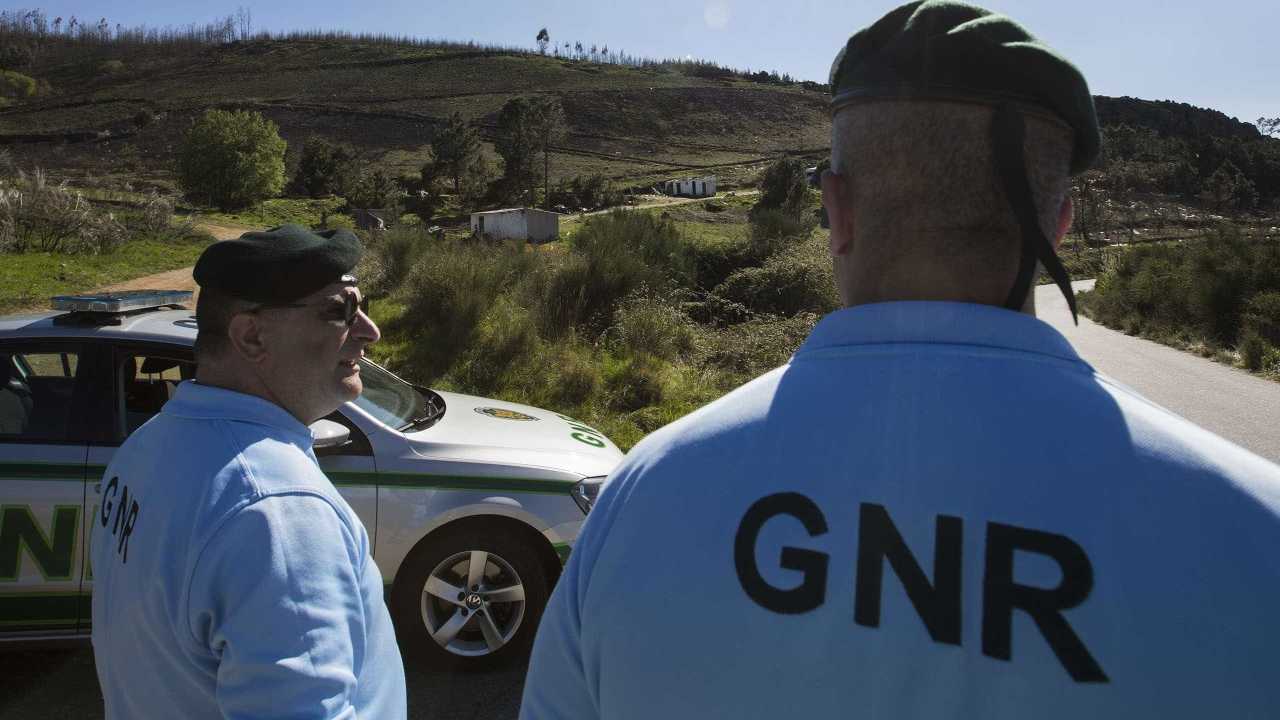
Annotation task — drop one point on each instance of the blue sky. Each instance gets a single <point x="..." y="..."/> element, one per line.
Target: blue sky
<point x="1221" y="54"/>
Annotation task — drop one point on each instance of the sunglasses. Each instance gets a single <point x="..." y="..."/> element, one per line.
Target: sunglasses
<point x="350" y="308"/>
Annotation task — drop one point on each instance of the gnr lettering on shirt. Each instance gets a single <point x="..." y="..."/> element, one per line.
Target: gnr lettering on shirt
<point x="121" y="512"/>
<point x="937" y="603"/>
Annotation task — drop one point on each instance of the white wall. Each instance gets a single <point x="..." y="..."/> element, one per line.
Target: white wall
<point x="520" y="224"/>
<point x="692" y="187"/>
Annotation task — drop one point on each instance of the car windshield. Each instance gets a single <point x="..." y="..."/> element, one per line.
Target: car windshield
<point x="390" y="400"/>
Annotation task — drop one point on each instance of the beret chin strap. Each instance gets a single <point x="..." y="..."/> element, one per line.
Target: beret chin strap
<point x="1007" y="133"/>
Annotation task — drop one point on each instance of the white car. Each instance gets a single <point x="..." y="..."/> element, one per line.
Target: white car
<point x="470" y="503"/>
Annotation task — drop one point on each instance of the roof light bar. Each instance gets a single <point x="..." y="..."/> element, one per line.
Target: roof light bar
<point x="120" y="302"/>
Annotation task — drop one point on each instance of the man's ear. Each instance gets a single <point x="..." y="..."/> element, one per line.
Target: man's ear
<point x="835" y="199"/>
<point x="245" y="333"/>
<point x="1066" y="213"/>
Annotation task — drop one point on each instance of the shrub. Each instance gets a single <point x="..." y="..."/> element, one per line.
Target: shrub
<point x="613" y="255"/>
<point x="637" y="384"/>
<point x="111" y="67"/>
<point x="783" y="186"/>
<point x="394" y="253"/>
<point x="564" y="295"/>
<point x="1262" y="316"/>
<point x="590" y="192"/>
<point x="504" y="337"/>
<point x="374" y="189"/>
<point x="325" y="168"/>
<point x="155" y="216"/>
<point x="16" y="56"/>
<point x="37" y="216"/>
<point x="645" y="323"/>
<point x="772" y="228"/>
<point x="798" y="279"/>
<point x="751" y="348"/>
<point x="447" y="293"/>
<point x="1252" y="351"/>
<point x="711" y="309"/>
<point x="1271" y="361"/>
<point x="231" y="159"/>
<point x="576" y="379"/>
<point x="1200" y="289"/>
<point x="14" y="84"/>
<point x="713" y="261"/>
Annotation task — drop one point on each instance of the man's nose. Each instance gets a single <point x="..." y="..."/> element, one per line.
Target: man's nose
<point x="365" y="329"/>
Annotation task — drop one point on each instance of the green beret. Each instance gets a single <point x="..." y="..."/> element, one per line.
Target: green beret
<point x="944" y="50"/>
<point x="278" y="265"/>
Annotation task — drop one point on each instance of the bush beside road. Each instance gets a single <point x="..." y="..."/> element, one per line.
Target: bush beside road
<point x="1218" y="296"/>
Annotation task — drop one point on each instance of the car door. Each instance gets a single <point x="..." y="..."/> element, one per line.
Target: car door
<point x="44" y="386"/>
<point x="141" y="379"/>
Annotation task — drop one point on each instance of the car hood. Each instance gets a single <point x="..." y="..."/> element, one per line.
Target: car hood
<point x="493" y="431"/>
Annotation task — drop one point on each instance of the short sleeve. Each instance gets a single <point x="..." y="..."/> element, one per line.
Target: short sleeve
<point x="275" y="596"/>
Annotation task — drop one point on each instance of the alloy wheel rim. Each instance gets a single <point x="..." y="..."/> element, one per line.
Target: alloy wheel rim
<point x="472" y="603"/>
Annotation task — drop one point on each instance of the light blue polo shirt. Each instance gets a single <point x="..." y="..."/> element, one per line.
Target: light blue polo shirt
<point x="231" y="580"/>
<point x="935" y="510"/>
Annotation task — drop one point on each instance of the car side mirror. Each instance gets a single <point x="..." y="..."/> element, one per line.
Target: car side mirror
<point x="329" y="434"/>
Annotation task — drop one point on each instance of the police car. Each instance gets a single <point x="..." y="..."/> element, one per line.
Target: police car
<point x="466" y="500"/>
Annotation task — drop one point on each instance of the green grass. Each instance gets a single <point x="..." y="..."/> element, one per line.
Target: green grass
<point x="30" y="279"/>
<point x="278" y="211"/>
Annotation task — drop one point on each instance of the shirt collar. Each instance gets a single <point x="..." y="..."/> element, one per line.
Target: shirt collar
<point x="208" y="402"/>
<point x="937" y="323"/>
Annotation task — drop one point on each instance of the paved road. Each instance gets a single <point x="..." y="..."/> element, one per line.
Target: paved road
<point x="1240" y="407"/>
<point x="57" y="684"/>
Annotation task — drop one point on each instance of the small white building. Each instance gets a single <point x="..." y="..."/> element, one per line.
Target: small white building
<point x="691" y="187"/>
<point x="536" y="226"/>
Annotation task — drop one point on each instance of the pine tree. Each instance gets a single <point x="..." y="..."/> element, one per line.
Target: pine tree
<point x="455" y="147"/>
<point x="517" y="143"/>
<point x="549" y="125"/>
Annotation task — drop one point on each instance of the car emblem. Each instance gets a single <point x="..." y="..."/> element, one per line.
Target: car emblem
<point x="502" y="414"/>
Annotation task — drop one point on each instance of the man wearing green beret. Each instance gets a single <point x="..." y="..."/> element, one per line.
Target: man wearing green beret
<point x="248" y="589"/>
<point x="936" y="509"/>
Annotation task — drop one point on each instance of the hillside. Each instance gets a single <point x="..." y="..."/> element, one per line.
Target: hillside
<point x="115" y="110"/>
<point x="628" y="123"/>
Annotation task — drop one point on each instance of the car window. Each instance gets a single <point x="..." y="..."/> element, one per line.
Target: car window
<point x="48" y="364"/>
<point x="147" y="381"/>
<point x="37" y="392"/>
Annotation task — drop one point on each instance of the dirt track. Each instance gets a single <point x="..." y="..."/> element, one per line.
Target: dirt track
<point x="179" y="279"/>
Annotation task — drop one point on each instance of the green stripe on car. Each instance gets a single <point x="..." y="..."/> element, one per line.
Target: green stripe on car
<point x="39" y="609"/>
<point x="451" y="482"/>
<point x="562" y="551"/>
<point x="43" y="471"/>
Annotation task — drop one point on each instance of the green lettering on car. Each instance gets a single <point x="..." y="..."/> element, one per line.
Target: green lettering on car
<point x="53" y="553"/>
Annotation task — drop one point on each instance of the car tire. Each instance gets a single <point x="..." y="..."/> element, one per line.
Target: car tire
<point x="469" y="599"/>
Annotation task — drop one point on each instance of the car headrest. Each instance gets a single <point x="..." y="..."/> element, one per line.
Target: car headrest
<point x="155" y="366"/>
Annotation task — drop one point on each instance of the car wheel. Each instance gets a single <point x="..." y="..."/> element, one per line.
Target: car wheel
<point x="469" y="599"/>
